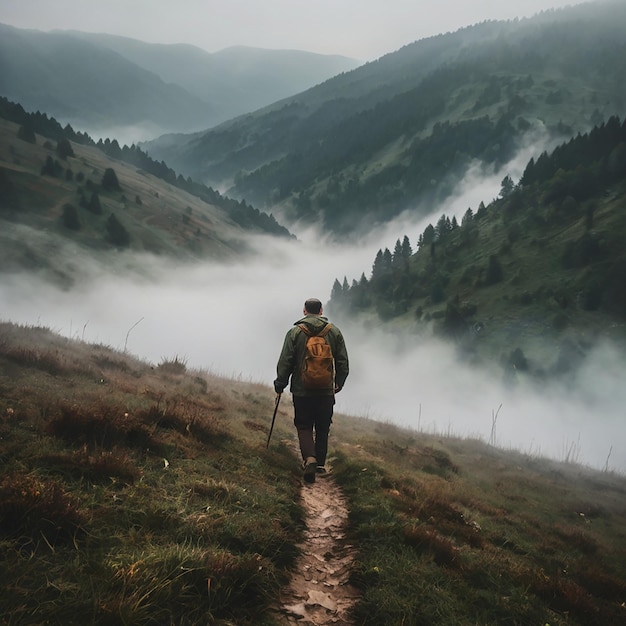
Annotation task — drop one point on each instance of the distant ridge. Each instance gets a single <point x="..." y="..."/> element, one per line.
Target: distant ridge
<point x="399" y="133"/>
<point x="117" y="86"/>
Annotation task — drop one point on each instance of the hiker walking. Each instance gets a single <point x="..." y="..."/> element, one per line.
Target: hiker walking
<point x="314" y="355"/>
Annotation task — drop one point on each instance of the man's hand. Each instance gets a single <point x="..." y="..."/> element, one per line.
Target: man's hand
<point x="338" y="389"/>
<point x="278" y="388"/>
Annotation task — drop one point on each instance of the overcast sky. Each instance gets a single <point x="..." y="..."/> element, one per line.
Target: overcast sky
<point x="362" y="29"/>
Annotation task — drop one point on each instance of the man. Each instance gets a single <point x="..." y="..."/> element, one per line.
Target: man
<point x="313" y="407"/>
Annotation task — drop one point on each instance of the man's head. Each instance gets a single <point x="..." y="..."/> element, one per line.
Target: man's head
<point x="313" y="306"/>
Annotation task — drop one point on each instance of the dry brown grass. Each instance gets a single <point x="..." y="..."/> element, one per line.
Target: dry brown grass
<point x="502" y="537"/>
<point x="140" y="490"/>
<point x="156" y="499"/>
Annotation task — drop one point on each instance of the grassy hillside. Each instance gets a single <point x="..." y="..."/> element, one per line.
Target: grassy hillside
<point x="55" y="204"/>
<point x="143" y="493"/>
<point x="399" y="133"/>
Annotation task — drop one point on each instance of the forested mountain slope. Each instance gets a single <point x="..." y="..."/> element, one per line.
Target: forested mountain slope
<point x="398" y="133"/>
<point x="534" y="278"/>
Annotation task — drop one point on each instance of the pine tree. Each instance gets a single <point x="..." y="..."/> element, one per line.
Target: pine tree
<point x="506" y="187"/>
<point x="70" y="217"/>
<point x="94" y="204"/>
<point x="336" y="291"/>
<point x="429" y="235"/>
<point x="377" y="267"/>
<point x="407" y="251"/>
<point x="387" y="261"/>
<point x="116" y="233"/>
<point x="397" y="256"/>
<point x="109" y="180"/>
<point x="64" y="149"/>
<point x="528" y="177"/>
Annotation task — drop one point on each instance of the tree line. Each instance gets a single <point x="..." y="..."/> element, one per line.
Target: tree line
<point x="242" y="213"/>
<point x="576" y="171"/>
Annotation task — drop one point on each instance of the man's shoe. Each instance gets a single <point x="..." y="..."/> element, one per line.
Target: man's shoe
<point x="310" y="467"/>
<point x="321" y="469"/>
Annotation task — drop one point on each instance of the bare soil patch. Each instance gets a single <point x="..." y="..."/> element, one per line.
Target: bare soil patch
<point x="319" y="592"/>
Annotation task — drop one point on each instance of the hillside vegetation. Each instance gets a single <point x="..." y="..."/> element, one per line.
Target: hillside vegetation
<point x="143" y="493"/>
<point x="62" y="196"/>
<point x="399" y="133"/>
<point x="535" y="278"/>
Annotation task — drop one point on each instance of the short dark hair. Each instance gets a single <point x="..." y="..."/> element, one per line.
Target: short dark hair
<point x="313" y="305"/>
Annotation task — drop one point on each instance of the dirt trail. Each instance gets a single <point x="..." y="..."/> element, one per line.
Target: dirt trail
<point x="318" y="592"/>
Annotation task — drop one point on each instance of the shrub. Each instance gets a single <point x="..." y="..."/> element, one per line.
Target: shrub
<point x="443" y="551"/>
<point x="26" y="133"/>
<point x="494" y="271"/>
<point x="96" y="466"/>
<point x="592" y="296"/>
<point x="33" y="507"/>
<point x="94" y="204"/>
<point x="581" y="252"/>
<point x="70" y="217"/>
<point x="51" y="167"/>
<point x="109" y="180"/>
<point x="64" y="149"/>
<point x="116" y="233"/>
<point x="103" y="426"/>
<point x="173" y="366"/>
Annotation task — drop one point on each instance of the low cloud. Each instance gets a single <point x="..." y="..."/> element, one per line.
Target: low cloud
<point x="231" y="319"/>
<point x="422" y="384"/>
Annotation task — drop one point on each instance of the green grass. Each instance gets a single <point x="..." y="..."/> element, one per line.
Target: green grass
<point x="141" y="494"/>
<point x="455" y="532"/>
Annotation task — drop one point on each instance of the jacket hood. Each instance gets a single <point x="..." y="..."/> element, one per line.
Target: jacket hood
<point x="314" y="322"/>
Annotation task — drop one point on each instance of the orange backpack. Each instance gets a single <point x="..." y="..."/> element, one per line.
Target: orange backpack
<point x="318" y="364"/>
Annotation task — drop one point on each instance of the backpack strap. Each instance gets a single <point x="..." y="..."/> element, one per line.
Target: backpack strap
<point x="305" y="329"/>
<point x="324" y="330"/>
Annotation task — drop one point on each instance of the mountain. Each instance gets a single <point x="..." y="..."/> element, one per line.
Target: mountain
<point x="533" y="280"/>
<point x="235" y="80"/>
<point x="105" y="84"/>
<point x="398" y="134"/>
<point x="89" y="86"/>
<point x="64" y="197"/>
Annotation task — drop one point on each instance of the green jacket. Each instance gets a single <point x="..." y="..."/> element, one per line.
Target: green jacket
<point x="290" y="360"/>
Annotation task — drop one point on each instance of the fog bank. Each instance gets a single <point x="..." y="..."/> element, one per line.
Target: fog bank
<point x="231" y="320"/>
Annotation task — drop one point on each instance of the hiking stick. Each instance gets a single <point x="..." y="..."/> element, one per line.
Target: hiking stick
<point x="273" y="419"/>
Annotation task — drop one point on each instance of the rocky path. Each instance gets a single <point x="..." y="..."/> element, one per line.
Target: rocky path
<point x="319" y="593"/>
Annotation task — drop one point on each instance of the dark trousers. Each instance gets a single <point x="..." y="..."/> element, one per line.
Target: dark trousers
<point x="313" y="414"/>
